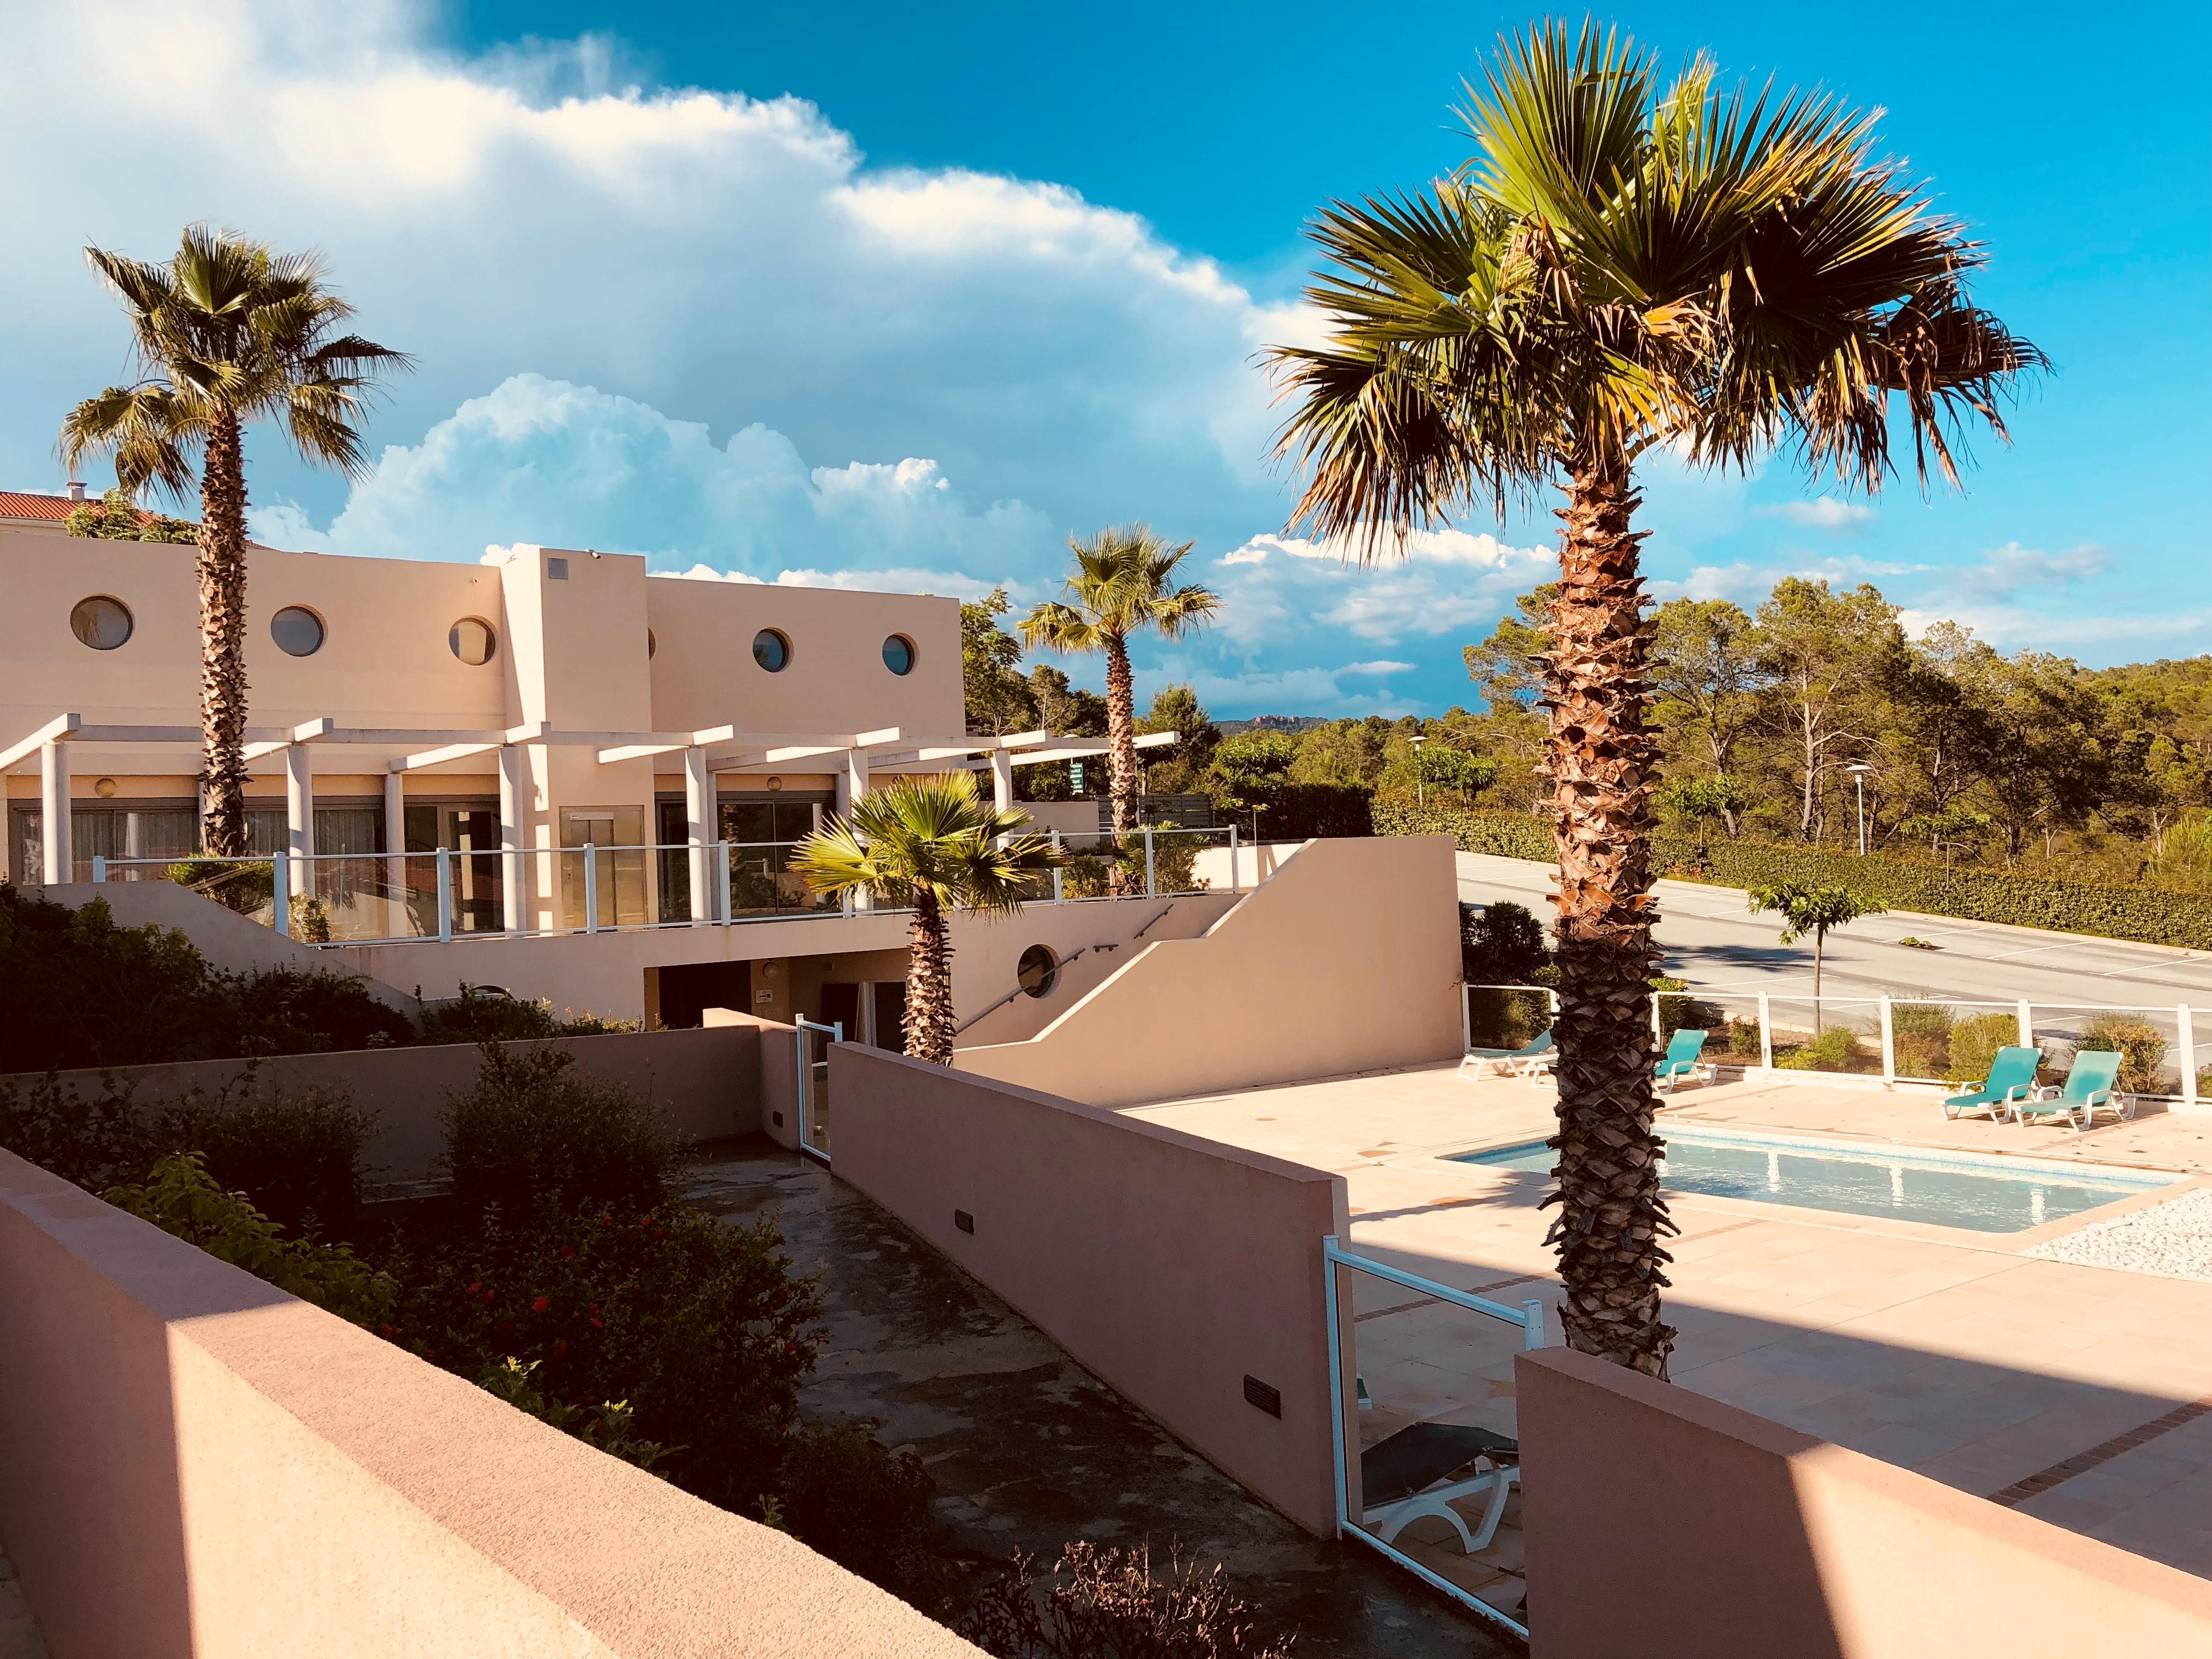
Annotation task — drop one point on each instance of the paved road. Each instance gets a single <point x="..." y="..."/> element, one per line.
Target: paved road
<point x="1711" y="940"/>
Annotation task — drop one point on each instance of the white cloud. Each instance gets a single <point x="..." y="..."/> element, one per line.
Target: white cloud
<point x="564" y="466"/>
<point x="1444" y="581"/>
<point x="2006" y="569"/>
<point x="726" y="260"/>
<point x="1823" y="512"/>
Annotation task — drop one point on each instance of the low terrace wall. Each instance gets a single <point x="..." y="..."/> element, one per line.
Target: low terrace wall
<point x="707" y="1082"/>
<point x="1186" y="1273"/>
<point x="193" y="1464"/>
<point x="1665" y="1525"/>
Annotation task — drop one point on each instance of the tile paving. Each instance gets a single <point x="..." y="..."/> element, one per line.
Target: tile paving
<point x="1944" y="1351"/>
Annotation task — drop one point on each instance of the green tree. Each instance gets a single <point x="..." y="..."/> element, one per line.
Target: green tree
<point x="1806" y="908"/>
<point x="226" y="332"/>
<point x="1706" y="680"/>
<point x="1956" y="828"/>
<point x="1176" y="709"/>
<point x="999" y="699"/>
<point x="935" y="844"/>
<point x="1703" y="800"/>
<point x="1507" y="665"/>
<point x="1824" y="652"/>
<point x="1623" y="263"/>
<point x="113" y="518"/>
<point x="1124" y="582"/>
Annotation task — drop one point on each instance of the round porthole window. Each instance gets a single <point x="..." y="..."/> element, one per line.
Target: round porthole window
<point x="101" y="622"/>
<point x="898" y="654"/>
<point x="1038" y="971"/>
<point x="297" y="630"/>
<point x="473" y="640"/>
<point x="771" y="650"/>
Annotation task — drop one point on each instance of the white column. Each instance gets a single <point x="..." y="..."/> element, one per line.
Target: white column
<point x="2027" y="1025"/>
<point x="699" y="830"/>
<point x="1002" y="780"/>
<point x="1888" y="1043"/>
<point x="2184" y="1028"/>
<point x="395" y="854"/>
<point x="300" y="815"/>
<point x="513" y="910"/>
<point x="850" y="788"/>
<point x="54" y="849"/>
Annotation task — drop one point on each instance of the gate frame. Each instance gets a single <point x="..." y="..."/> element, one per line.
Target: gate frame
<point x="836" y="1032"/>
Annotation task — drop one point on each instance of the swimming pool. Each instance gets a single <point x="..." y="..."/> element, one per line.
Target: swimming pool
<point x="1982" y="1195"/>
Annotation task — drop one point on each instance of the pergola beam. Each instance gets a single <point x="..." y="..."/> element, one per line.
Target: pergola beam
<point x="60" y="729"/>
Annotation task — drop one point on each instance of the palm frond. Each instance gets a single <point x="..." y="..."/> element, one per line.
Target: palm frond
<point x="935" y="834"/>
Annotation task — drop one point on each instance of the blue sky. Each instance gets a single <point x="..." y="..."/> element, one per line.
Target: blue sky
<point x="899" y="296"/>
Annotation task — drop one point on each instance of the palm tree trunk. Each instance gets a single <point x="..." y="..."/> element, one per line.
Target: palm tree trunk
<point x="1602" y="762"/>
<point x="222" y="569"/>
<point x="1122" y="741"/>
<point x="929" y="1027"/>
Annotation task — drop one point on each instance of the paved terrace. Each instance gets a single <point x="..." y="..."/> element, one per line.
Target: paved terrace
<point x="2081" y="1394"/>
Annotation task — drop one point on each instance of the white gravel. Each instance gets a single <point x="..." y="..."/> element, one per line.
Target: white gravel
<point x="2172" y="1239"/>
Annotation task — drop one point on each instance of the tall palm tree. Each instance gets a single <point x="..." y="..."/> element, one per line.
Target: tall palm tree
<point x="1621" y="264"/>
<point x="225" y="332"/>
<point x="1123" y="582"/>
<point x="933" y="843"/>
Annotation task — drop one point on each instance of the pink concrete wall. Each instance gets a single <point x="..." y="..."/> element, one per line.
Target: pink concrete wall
<point x="1172" y="1266"/>
<point x="1663" y="1524"/>
<point x="193" y="1464"/>
<point x="774" y="1071"/>
<point x="707" y="1082"/>
<point x="1346" y="960"/>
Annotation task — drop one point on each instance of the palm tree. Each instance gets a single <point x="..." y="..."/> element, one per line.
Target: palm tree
<point x="1123" y="583"/>
<point x="226" y="332"/>
<point x="933" y="843"/>
<point x="1624" y="265"/>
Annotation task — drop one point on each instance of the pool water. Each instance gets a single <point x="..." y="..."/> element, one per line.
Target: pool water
<point x="1983" y="1194"/>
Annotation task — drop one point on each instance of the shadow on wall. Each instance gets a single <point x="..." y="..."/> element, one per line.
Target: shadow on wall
<point x="1346" y="960"/>
<point x="192" y="1463"/>
<point x="1662" y="1523"/>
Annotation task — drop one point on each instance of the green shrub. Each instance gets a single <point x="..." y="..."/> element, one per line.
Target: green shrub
<point x="532" y="1123"/>
<point x="871" y="1510"/>
<point x="1505" y="1019"/>
<point x="479" y="1015"/>
<point x="1501" y="943"/>
<point x="297" y="1154"/>
<point x="1087" y="875"/>
<point x="180" y="1197"/>
<point x="98" y="1143"/>
<point x="1975" y="1041"/>
<point x="1837" y="1048"/>
<point x="612" y="1427"/>
<point x="2142" y="1048"/>
<point x="2153" y="915"/>
<point x="80" y="992"/>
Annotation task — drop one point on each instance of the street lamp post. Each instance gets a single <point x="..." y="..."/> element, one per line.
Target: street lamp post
<point x="1421" y="773"/>
<point x="1858" y="770"/>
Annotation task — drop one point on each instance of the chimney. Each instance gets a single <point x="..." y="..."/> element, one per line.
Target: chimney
<point x="75" y="491"/>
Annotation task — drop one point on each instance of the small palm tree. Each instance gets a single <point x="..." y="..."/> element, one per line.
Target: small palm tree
<point x="226" y="332"/>
<point x="935" y="844"/>
<point x="1805" y="908"/>
<point x="1624" y="264"/>
<point x="1123" y="582"/>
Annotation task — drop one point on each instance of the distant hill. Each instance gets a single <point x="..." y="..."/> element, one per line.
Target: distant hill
<point x="1293" y="724"/>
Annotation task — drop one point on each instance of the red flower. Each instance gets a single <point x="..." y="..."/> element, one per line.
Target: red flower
<point x="387" y="1331"/>
<point x="595" y="1307"/>
<point x="539" y="1305"/>
<point x="474" y="1288"/>
<point x="487" y="1298"/>
<point x="567" y="1254"/>
<point x="598" y="1324"/>
<point x="658" y="1233"/>
<point x="560" y="1346"/>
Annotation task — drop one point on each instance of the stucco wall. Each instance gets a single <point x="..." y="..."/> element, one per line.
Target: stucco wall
<point x="1665" y="1525"/>
<point x="705" y="1082"/>
<point x="1172" y="1266"/>
<point x="194" y="1464"/>
<point x="774" y="1071"/>
<point x="1346" y="959"/>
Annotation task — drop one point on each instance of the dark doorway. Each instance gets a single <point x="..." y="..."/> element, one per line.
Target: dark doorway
<point x="840" y="1007"/>
<point x="689" y="989"/>
<point x="891" y="1015"/>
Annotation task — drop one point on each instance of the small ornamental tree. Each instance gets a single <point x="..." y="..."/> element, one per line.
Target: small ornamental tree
<point x="1805" y="908"/>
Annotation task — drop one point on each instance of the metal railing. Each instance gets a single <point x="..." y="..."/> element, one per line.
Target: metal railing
<point x="1482" y="1368"/>
<point x="397" y="897"/>
<point x="1931" y="1040"/>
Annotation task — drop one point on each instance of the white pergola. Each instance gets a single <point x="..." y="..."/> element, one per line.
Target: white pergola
<point x="711" y="752"/>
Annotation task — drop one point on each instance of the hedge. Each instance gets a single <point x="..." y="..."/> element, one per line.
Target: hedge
<point x="2150" y="915"/>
